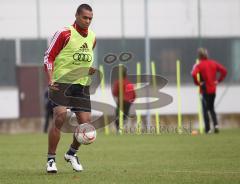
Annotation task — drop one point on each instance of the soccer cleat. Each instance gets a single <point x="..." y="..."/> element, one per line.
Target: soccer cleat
<point x="216" y="130"/>
<point x="209" y="132"/>
<point x="74" y="162"/>
<point x="51" y="166"/>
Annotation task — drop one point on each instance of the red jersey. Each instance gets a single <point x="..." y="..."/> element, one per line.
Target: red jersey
<point x="128" y="90"/>
<point x="58" y="42"/>
<point x="208" y="70"/>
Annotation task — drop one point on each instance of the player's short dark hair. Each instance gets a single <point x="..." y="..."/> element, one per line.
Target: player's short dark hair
<point x="83" y="6"/>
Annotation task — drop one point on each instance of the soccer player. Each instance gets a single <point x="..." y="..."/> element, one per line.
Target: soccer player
<point x="208" y="70"/>
<point x="129" y="96"/>
<point x="71" y="48"/>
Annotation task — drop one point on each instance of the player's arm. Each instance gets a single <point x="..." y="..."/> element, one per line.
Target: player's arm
<point x="49" y="72"/>
<point x="58" y="42"/>
<point x="132" y="92"/>
<point x="223" y="72"/>
<point x="194" y="74"/>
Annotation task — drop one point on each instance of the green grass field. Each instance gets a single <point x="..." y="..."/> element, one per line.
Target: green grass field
<point x="167" y="158"/>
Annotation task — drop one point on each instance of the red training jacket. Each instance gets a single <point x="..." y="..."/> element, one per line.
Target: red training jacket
<point x="129" y="94"/>
<point x="208" y="70"/>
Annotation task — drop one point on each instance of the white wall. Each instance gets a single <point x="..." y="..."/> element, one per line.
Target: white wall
<point x="9" y="107"/>
<point x="225" y="101"/>
<point x="229" y="104"/>
<point x="189" y="98"/>
<point x="167" y="18"/>
<point x="221" y="17"/>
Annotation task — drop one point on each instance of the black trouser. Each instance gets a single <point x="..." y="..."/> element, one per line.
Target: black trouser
<point x="126" y="108"/>
<point x="208" y="105"/>
<point x="48" y="116"/>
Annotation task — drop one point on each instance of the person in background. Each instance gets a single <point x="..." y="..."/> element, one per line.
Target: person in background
<point x="208" y="70"/>
<point x="48" y="111"/>
<point x="129" y="96"/>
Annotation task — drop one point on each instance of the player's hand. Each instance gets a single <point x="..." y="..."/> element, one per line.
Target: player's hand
<point x="91" y="71"/>
<point x="201" y="83"/>
<point x="53" y="86"/>
<point x="216" y="82"/>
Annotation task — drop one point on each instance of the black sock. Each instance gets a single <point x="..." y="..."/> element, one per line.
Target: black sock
<point x="72" y="151"/>
<point x="51" y="157"/>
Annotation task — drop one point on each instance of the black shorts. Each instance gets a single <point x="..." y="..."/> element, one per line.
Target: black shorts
<point x="73" y="96"/>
